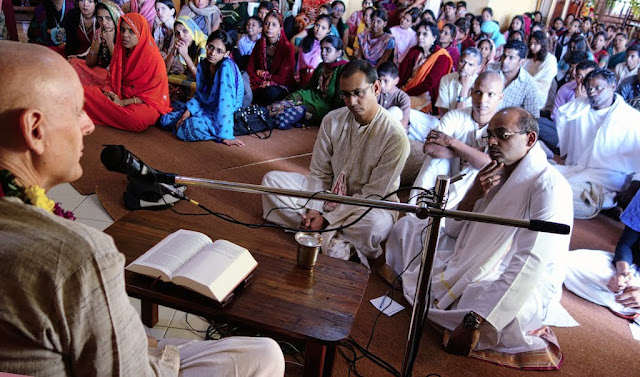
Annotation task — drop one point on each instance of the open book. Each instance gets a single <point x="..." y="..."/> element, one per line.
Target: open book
<point x="190" y="259"/>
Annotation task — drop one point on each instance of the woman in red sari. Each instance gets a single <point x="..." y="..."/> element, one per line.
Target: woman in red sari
<point x="272" y="63"/>
<point x="138" y="90"/>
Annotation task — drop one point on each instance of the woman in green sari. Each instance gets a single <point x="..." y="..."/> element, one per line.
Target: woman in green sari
<point x="311" y="104"/>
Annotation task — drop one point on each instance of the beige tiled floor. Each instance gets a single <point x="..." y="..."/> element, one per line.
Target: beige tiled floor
<point x="88" y="210"/>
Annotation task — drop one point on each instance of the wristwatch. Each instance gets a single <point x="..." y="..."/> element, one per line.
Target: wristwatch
<point x="472" y="321"/>
<point x="461" y="98"/>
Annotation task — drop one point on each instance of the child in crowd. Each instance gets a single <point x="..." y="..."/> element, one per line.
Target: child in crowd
<point x="209" y="114"/>
<point x="320" y="96"/>
<point x="376" y="45"/>
<point x="247" y="42"/>
<point x="404" y="35"/>
<point x="309" y="53"/>
<point x="391" y="97"/>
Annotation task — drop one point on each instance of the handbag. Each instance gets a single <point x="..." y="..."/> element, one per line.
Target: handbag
<point x="253" y="120"/>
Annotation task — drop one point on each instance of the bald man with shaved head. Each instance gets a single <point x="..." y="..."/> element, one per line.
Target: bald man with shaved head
<point x="63" y="306"/>
<point x="493" y="287"/>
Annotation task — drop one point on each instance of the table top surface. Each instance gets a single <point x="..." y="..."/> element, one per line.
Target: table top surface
<point x="283" y="299"/>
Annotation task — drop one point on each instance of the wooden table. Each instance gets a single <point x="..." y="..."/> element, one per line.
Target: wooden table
<point x="316" y="307"/>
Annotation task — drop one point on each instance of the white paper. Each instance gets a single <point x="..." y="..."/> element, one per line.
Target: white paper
<point x="635" y="330"/>
<point x="386" y="305"/>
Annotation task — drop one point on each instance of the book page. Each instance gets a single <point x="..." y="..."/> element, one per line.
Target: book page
<point x="172" y="252"/>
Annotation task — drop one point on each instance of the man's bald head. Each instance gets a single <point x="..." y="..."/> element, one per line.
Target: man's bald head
<point x="490" y="77"/>
<point x="486" y="95"/>
<point x="512" y="133"/>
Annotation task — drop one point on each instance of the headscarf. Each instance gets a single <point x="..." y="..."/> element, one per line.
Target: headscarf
<point x="282" y="66"/>
<point x="373" y="48"/>
<point x="148" y="10"/>
<point x="493" y="30"/>
<point x="492" y="54"/>
<point x="199" y="38"/>
<point x="114" y="11"/>
<point x="142" y="74"/>
<point x="211" y="14"/>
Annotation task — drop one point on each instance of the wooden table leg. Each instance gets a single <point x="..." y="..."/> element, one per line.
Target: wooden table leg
<point x="149" y="313"/>
<point x="318" y="359"/>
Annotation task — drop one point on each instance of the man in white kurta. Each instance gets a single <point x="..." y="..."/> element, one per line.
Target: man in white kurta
<point x="455" y="88"/>
<point x="360" y="151"/>
<point x="505" y="282"/>
<point x="600" y="137"/>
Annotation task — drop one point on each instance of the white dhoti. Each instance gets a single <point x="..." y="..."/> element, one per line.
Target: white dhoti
<point x="363" y="238"/>
<point x="589" y="272"/>
<point x="420" y="124"/>
<point x="233" y="356"/>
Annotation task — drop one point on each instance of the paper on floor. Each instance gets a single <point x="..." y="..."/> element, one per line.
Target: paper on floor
<point x="386" y="305"/>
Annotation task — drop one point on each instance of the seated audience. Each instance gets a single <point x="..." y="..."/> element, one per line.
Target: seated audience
<point x="476" y="29"/>
<point x="365" y="26"/>
<point x="598" y="45"/>
<point x="427" y="15"/>
<point x="404" y="35"/>
<point x="492" y="31"/>
<point x="138" y="92"/>
<point x="617" y="51"/>
<point x="423" y="67"/>
<point x="488" y="52"/>
<point x="629" y="89"/>
<point x="264" y="8"/>
<point x="376" y="45"/>
<point x="577" y="43"/>
<point x="461" y="9"/>
<point x="337" y="22"/>
<point x="188" y="48"/>
<point x="599" y="135"/>
<point x="205" y="13"/>
<point x="562" y="44"/>
<point x="516" y="35"/>
<point x="65" y="311"/>
<point x="320" y="96"/>
<point x="272" y="63"/>
<point x="448" y="15"/>
<point x="309" y="52"/>
<point x="607" y="279"/>
<point x="586" y="29"/>
<point x="541" y="65"/>
<point x="463" y="40"/>
<point x="494" y="287"/>
<point x="630" y="66"/>
<point x="209" y="114"/>
<point x="520" y="89"/>
<point x="47" y="25"/>
<point x="567" y="93"/>
<point x="359" y="152"/>
<point x="455" y="88"/>
<point x="455" y="145"/>
<point x="93" y="70"/>
<point x="448" y="42"/>
<point x="80" y="25"/>
<point x="163" y="26"/>
<point x="394" y="100"/>
<point x="247" y="42"/>
<point x="147" y="8"/>
<point x="517" y="24"/>
<point x="327" y="9"/>
<point x="357" y="18"/>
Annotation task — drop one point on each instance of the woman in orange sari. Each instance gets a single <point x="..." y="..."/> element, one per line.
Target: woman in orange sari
<point x="423" y="67"/>
<point x="138" y="90"/>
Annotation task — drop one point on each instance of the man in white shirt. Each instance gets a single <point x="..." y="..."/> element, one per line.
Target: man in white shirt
<point x="629" y="67"/>
<point x="455" y="88"/>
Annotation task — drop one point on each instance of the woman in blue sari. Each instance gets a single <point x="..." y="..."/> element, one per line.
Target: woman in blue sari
<point x="209" y="114"/>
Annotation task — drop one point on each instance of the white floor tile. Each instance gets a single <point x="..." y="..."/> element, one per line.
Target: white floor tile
<point x="180" y="319"/>
<point x="66" y="195"/>
<point x="91" y="209"/>
<point x="100" y="225"/>
<point x="184" y="334"/>
<point x="165" y="315"/>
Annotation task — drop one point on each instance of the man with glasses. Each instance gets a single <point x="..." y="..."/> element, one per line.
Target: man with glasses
<point x="599" y="139"/>
<point x="496" y="287"/>
<point x="360" y="151"/>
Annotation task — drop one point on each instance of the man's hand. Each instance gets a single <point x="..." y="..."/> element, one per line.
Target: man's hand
<point x="629" y="298"/>
<point x="462" y="341"/>
<point x="486" y="179"/>
<point x="618" y="282"/>
<point x="438" y="151"/>
<point x="467" y="82"/>
<point x="153" y="342"/>
<point x="313" y="220"/>
<point x="439" y="138"/>
<point x="580" y="91"/>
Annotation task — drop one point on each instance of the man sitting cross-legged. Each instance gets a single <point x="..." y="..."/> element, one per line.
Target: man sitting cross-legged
<point x="64" y="308"/>
<point x="600" y="137"/>
<point x="496" y="287"/>
<point x="360" y="151"/>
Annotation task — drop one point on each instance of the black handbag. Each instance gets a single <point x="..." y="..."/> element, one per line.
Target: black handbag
<point x="253" y="120"/>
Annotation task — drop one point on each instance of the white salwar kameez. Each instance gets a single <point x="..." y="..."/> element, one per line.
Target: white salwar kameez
<point x="370" y="158"/>
<point x="510" y="276"/>
<point x="543" y="73"/>
<point x="602" y="149"/>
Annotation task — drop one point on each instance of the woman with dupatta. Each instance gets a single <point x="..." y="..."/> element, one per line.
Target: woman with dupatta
<point x="80" y="24"/>
<point x="209" y="114"/>
<point x="321" y="93"/>
<point x="93" y="70"/>
<point x="488" y="52"/>
<point x="423" y="67"/>
<point x="376" y="45"/>
<point x="272" y="63"/>
<point x="147" y="8"/>
<point x="138" y="91"/>
<point x="205" y="14"/>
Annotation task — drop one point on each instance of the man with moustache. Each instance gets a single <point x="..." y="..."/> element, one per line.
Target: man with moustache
<point x="360" y="151"/>
<point x="495" y="288"/>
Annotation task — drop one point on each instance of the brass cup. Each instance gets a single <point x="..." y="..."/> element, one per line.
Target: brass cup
<point x="308" y="249"/>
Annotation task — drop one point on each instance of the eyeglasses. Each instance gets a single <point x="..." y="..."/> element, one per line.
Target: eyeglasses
<point x="356" y="93"/>
<point x="503" y="135"/>
<point x="212" y="48"/>
<point x="597" y="89"/>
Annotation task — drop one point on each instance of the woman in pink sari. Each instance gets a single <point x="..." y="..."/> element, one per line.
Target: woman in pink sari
<point x="147" y="8"/>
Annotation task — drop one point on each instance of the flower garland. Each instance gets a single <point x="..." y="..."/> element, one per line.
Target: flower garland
<point x="34" y="195"/>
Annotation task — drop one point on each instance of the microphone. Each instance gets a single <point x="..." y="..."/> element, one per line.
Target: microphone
<point x="118" y="159"/>
<point x="548" y="227"/>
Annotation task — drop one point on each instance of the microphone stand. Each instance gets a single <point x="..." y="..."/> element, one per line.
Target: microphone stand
<point x="428" y="206"/>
